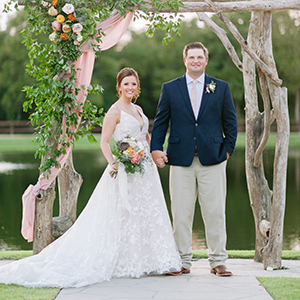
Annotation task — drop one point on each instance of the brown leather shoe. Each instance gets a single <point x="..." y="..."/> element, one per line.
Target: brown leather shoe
<point x="185" y="271"/>
<point x="221" y="270"/>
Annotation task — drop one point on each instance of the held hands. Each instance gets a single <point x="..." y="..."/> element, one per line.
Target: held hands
<point x="159" y="157"/>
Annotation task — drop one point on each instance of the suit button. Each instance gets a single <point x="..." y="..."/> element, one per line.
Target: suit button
<point x="194" y="138"/>
<point x="196" y="124"/>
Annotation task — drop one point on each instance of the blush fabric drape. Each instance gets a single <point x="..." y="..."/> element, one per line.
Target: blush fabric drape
<point x="113" y="28"/>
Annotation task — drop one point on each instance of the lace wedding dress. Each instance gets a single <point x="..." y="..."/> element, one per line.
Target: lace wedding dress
<point x="124" y="230"/>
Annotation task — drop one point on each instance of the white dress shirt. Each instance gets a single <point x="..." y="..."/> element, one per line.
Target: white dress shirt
<point x="199" y="86"/>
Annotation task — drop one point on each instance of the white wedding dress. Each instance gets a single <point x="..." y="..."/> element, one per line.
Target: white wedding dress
<point x="124" y="230"/>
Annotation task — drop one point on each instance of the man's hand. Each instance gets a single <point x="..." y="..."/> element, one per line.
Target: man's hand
<point x="159" y="157"/>
<point x="228" y="155"/>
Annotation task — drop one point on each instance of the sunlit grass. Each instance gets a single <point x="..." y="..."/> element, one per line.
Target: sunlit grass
<point x="15" y="292"/>
<point x="15" y="254"/>
<point x="244" y="254"/>
<point x="282" y="288"/>
<point x="23" y="143"/>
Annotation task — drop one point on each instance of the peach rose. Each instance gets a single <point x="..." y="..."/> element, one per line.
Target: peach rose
<point x="52" y="11"/>
<point x="66" y="28"/>
<point x="54" y="2"/>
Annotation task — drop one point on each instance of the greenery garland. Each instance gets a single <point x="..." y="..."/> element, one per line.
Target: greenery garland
<point x="53" y="35"/>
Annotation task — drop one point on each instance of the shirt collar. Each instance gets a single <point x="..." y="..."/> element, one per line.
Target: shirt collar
<point x="200" y="79"/>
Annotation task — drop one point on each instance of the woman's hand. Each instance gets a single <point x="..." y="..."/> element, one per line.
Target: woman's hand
<point x="114" y="170"/>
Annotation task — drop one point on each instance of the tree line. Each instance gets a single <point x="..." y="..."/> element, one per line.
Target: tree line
<point x="156" y="63"/>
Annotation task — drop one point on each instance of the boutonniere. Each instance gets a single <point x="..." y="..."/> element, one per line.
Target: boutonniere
<point x="210" y="87"/>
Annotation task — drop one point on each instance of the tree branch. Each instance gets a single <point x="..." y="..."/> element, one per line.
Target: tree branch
<point x="244" y="45"/>
<point x="234" y="6"/>
<point x="221" y="33"/>
<point x="267" y="121"/>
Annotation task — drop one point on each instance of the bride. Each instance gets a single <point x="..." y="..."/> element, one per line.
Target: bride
<point x="124" y="230"/>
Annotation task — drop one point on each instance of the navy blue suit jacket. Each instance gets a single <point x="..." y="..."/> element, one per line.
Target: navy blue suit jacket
<point x="212" y="133"/>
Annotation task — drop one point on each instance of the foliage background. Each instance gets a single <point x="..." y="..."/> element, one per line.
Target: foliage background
<point x="155" y="62"/>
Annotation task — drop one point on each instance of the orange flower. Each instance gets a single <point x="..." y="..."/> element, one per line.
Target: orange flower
<point x="60" y="18"/>
<point x="71" y="17"/>
<point x="130" y="152"/>
<point x="54" y="2"/>
<point x="63" y="36"/>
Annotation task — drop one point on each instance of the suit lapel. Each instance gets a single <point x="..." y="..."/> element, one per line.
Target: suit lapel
<point x="205" y="96"/>
<point x="185" y="94"/>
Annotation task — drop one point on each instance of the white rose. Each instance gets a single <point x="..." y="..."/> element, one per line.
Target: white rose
<point x="68" y="8"/>
<point x="79" y="37"/>
<point x="77" y="28"/>
<point x="46" y="4"/>
<point x="52" y="37"/>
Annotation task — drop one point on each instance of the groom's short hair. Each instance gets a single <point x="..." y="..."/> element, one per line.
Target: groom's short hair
<point x="196" y="45"/>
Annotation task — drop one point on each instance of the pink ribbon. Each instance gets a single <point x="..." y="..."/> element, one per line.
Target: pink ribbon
<point x="114" y="27"/>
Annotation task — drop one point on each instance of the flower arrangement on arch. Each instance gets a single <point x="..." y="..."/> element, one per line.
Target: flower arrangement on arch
<point x="131" y="153"/>
<point x="65" y="22"/>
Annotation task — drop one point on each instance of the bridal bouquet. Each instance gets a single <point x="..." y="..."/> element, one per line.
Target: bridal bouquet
<point x="131" y="153"/>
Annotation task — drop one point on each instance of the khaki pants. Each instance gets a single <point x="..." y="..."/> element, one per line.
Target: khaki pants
<point x="209" y="184"/>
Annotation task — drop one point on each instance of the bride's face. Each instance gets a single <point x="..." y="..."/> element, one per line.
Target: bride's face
<point x="128" y="87"/>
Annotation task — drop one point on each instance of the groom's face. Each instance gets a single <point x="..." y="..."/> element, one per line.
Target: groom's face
<point x="195" y="62"/>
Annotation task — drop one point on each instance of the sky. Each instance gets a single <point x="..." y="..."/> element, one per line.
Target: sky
<point x="3" y="16"/>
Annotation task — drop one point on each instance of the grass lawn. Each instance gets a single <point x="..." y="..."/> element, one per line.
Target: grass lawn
<point x="23" y="142"/>
<point x="286" y="254"/>
<point x="15" y="292"/>
<point x="282" y="288"/>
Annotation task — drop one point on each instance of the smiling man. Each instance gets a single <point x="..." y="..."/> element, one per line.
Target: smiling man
<point x="203" y="131"/>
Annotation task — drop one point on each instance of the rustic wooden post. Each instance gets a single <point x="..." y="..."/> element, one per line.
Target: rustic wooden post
<point x="43" y="218"/>
<point x="69" y="183"/>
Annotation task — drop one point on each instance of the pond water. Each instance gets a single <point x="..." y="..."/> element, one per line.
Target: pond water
<point x="17" y="171"/>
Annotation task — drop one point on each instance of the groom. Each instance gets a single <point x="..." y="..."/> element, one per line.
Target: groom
<point x="203" y="131"/>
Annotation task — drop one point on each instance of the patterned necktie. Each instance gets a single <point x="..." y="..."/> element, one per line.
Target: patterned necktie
<point x="194" y="96"/>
